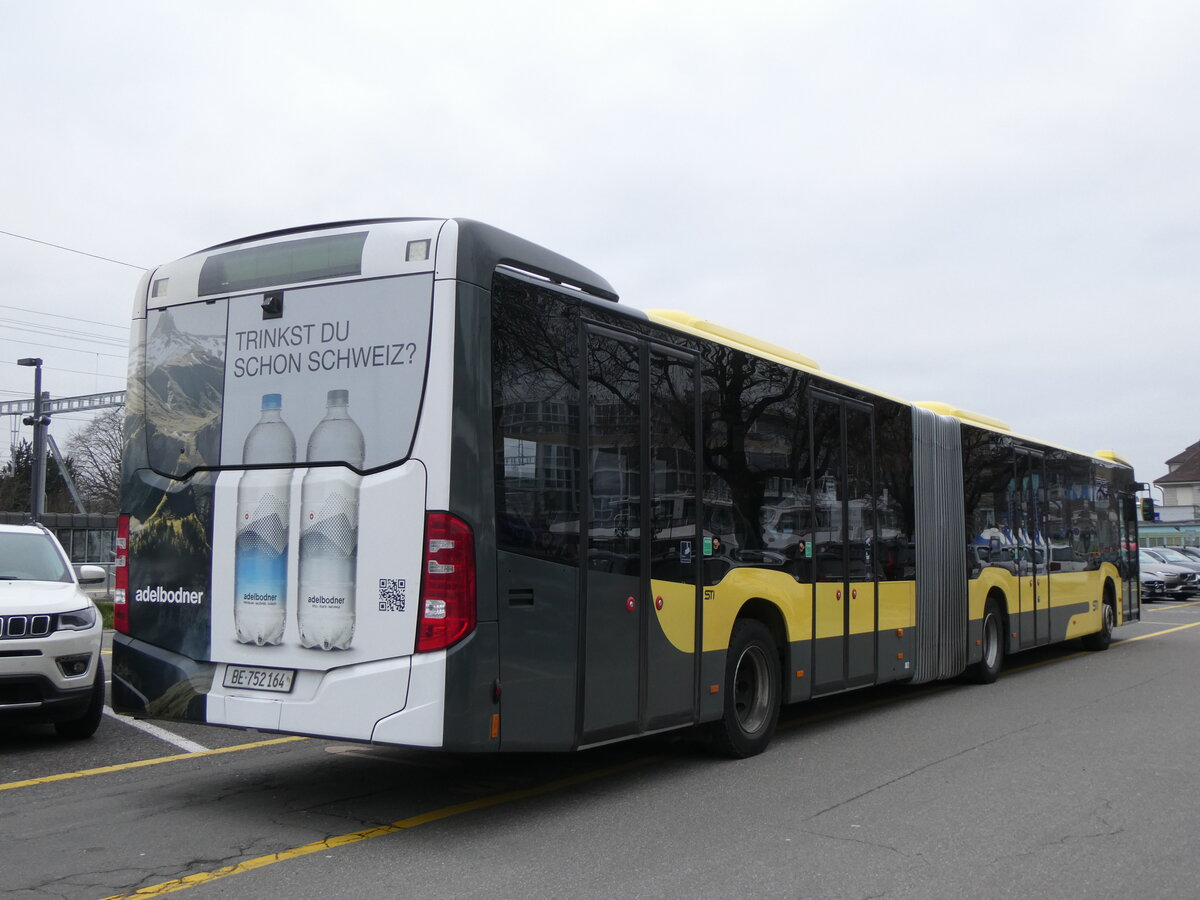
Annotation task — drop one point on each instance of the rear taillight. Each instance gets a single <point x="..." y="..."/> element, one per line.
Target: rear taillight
<point x="121" y="577"/>
<point x="447" y="611"/>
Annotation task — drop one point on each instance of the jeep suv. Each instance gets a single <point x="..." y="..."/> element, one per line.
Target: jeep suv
<point x="50" y="635"/>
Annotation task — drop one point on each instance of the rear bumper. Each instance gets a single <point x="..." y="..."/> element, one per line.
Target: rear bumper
<point x="394" y="701"/>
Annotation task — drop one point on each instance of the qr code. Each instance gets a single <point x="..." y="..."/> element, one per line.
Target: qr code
<point x="391" y="595"/>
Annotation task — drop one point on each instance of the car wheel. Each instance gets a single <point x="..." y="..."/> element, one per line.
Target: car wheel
<point x="85" y="726"/>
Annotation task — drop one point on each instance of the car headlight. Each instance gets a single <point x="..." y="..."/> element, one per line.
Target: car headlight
<point x="80" y="620"/>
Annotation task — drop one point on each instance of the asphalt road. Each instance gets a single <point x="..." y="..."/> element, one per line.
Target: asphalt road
<point x="1073" y="776"/>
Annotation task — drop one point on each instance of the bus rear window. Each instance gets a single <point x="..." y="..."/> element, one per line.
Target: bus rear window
<point x="290" y="262"/>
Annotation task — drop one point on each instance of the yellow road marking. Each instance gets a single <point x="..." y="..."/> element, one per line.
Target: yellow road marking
<point x="1142" y="637"/>
<point x="354" y="837"/>
<point x="1129" y="640"/>
<point x="141" y="763"/>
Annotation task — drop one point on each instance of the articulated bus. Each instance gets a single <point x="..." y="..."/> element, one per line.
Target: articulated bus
<point x="422" y="482"/>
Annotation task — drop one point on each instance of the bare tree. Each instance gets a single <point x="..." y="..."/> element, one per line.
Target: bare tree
<point x="95" y="451"/>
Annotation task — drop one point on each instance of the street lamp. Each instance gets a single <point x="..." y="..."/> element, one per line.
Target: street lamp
<point x="39" y="421"/>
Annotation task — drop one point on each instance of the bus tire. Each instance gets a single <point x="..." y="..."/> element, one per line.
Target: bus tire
<point x="1108" y="621"/>
<point x="992" y="643"/>
<point x="752" y="692"/>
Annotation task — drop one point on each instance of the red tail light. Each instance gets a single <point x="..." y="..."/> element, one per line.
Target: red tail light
<point x="121" y="578"/>
<point x="447" y="611"/>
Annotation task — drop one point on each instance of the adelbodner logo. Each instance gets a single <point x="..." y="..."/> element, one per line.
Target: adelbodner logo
<point x="163" y="595"/>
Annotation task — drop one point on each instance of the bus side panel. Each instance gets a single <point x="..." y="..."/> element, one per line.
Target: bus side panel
<point x="472" y="668"/>
<point x="1074" y="604"/>
<point x="539" y="628"/>
<point x="897" y="620"/>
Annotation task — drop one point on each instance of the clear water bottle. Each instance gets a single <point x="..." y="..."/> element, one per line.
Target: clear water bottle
<point x="260" y="565"/>
<point x="329" y="529"/>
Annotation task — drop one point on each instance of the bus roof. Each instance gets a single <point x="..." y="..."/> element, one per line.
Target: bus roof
<point x="482" y="248"/>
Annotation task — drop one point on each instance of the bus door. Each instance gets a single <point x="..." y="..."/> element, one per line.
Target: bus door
<point x="1033" y="565"/>
<point x="845" y="609"/>
<point x="1131" y="605"/>
<point x="642" y="544"/>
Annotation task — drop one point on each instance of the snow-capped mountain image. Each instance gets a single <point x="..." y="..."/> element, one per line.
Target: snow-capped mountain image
<point x="169" y="344"/>
<point x="184" y="380"/>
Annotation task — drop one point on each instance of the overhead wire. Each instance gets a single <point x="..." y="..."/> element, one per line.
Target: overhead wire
<point x="60" y="316"/>
<point x="69" y="334"/>
<point x="74" y="349"/>
<point x="73" y="250"/>
<point x="38" y="312"/>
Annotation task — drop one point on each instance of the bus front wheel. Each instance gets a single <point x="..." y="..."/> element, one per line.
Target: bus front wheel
<point x="752" y="692"/>
<point x="992" y="642"/>
<point x="1108" y="621"/>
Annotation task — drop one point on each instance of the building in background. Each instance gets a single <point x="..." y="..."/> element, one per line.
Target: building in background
<point x="1177" y="520"/>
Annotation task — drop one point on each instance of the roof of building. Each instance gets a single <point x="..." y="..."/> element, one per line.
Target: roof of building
<point x="1185" y="467"/>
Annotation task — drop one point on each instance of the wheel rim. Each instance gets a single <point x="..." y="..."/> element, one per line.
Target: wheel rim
<point x="1110" y="618"/>
<point x="991" y="641"/>
<point x="752" y="690"/>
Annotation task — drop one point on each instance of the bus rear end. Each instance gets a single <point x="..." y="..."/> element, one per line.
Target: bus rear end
<point x="288" y="558"/>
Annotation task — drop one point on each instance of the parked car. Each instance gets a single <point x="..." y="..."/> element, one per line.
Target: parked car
<point x="1153" y="587"/>
<point x="1173" y="557"/>
<point x="1177" y="581"/>
<point x="1193" y="552"/>
<point x="50" y="635"/>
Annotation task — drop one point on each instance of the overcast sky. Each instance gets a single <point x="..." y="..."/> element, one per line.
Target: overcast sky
<point x="992" y="205"/>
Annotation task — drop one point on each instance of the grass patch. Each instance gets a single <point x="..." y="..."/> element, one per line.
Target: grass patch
<point x="106" y="610"/>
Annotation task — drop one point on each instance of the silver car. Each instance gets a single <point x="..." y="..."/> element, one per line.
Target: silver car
<point x="1173" y="557"/>
<point x="1177" y="581"/>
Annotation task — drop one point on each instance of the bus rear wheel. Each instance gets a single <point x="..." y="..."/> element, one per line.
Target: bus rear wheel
<point x="752" y="692"/>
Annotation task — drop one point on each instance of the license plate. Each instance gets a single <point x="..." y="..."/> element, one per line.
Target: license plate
<point x="259" y="678"/>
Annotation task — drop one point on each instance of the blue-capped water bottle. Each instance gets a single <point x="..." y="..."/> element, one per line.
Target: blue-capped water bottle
<point x="260" y="565"/>
<point x="329" y="529"/>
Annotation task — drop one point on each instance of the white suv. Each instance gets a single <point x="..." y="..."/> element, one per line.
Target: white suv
<point x="50" y="635"/>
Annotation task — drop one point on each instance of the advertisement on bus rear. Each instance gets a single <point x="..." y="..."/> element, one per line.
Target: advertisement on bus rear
<point x="295" y="554"/>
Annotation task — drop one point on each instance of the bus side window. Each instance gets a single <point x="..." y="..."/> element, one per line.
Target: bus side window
<point x="535" y="414"/>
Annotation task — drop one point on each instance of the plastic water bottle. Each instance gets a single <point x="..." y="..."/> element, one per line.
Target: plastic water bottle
<point x="260" y="567"/>
<point x="329" y="529"/>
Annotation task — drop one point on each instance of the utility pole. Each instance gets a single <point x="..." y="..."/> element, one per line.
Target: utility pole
<point x="40" y="422"/>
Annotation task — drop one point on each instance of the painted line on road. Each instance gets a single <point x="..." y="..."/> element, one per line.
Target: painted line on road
<point x="156" y="731"/>
<point x="141" y="763"/>
<point x="1114" y="645"/>
<point x="1142" y="637"/>
<point x="198" y="878"/>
